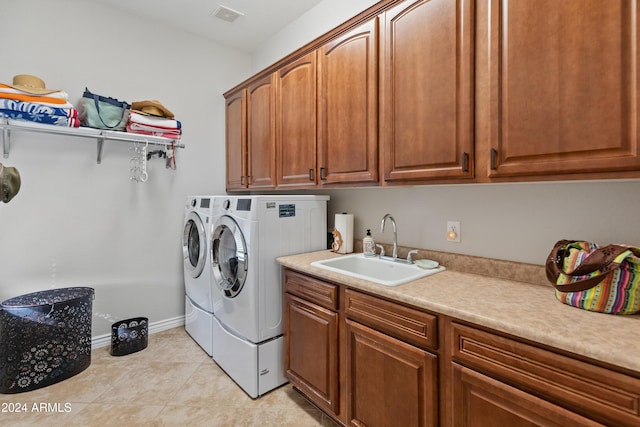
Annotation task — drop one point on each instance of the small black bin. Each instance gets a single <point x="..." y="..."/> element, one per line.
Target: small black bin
<point x="129" y="336"/>
<point x="45" y="337"/>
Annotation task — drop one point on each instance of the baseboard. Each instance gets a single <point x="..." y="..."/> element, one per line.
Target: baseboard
<point x="154" y="327"/>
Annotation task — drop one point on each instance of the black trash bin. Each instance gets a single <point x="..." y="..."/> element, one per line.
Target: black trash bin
<point x="45" y="338"/>
<point x="129" y="336"/>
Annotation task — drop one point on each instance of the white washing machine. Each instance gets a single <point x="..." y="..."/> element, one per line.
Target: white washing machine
<point x="249" y="233"/>
<point x="197" y="270"/>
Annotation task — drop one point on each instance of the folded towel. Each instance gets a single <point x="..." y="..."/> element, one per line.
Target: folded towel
<point x="36" y="108"/>
<point x="151" y="131"/>
<point x="48" y="119"/>
<point x="45" y="100"/>
<point x="159" y="122"/>
<point x="57" y="94"/>
<point x="138" y="126"/>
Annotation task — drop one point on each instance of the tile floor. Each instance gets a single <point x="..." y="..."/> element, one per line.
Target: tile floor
<point x="170" y="383"/>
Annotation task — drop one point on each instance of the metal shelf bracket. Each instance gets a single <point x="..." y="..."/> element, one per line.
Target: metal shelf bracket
<point x="6" y="142"/>
<point x="100" y="144"/>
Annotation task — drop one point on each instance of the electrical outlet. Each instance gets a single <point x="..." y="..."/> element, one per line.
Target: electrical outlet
<point x="453" y="231"/>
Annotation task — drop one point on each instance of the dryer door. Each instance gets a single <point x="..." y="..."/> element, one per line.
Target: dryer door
<point x="194" y="245"/>
<point x="229" y="257"/>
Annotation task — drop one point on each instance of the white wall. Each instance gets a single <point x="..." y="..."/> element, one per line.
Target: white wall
<point x="519" y="222"/>
<point x="325" y="16"/>
<point x="77" y="223"/>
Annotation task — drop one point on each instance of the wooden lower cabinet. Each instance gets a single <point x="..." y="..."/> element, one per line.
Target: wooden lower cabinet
<point x="311" y="343"/>
<point x="357" y="374"/>
<point x="481" y="401"/>
<point x="390" y="383"/>
<point x="532" y="384"/>
<point x="371" y="361"/>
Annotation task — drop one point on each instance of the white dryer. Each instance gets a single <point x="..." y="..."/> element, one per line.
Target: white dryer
<point x="197" y="270"/>
<point x="249" y="233"/>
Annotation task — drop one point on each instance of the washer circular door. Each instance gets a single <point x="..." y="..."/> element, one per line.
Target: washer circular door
<point x="229" y="257"/>
<point x="194" y="245"/>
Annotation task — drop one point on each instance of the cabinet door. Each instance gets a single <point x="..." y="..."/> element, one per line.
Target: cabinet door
<point x="311" y="351"/>
<point x="348" y="107"/>
<point x="480" y="401"/>
<point x="559" y="85"/>
<point x="391" y="383"/>
<point x="261" y="137"/>
<point x="296" y="123"/>
<point x="604" y="395"/>
<point x="426" y="91"/>
<point x="236" y="140"/>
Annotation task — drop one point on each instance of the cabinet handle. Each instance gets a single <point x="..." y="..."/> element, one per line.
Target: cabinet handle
<point x="322" y="175"/>
<point x="465" y="162"/>
<point x="242" y="180"/>
<point x="494" y="155"/>
<point x="311" y="175"/>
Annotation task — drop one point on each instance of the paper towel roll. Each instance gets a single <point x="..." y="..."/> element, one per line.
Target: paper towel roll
<point x="343" y="233"/>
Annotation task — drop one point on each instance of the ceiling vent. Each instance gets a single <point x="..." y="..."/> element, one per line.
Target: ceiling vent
<point x="226" y="14"/>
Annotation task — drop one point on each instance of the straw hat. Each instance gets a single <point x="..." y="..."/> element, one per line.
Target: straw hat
<point x="30" y="84"/>
<point x="152" y="108"/>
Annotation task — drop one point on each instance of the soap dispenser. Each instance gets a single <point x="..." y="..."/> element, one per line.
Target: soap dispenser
<point x="369" y="245"/>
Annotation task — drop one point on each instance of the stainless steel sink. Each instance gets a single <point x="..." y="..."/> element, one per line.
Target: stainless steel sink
<point x="374" y="269"/>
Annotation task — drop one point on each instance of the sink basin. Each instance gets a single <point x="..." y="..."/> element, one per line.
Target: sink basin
<point x="383" y="272"/>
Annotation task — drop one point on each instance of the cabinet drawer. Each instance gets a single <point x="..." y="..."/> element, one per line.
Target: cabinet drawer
<point x="480" y="400"/>
<point x="322" y="293"/>
<point x="601" y="394"/>
<point x="402" y="322"/>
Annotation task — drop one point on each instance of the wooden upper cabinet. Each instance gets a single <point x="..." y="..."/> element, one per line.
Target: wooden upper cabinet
<point x="261" y="136"/>
<point x="296" y="123"/>
<point x="558" y="86"/>
<point x="348" y="107"/>
<point x="427" y="90"/>
<point x="235" y="124"/>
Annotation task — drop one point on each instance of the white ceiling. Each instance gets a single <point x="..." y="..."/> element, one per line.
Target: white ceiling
<point x="261" y="19"/>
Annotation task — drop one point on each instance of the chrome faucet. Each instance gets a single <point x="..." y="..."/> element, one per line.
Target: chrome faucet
<point x="409" y="260"/>
<point x="395" y="233"/>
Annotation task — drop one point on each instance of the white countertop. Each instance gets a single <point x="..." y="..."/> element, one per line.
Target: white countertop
<point x="525" y="310"/>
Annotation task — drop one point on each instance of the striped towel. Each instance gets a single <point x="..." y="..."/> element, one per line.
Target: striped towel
<point x="36" y="108"/>
<point x="48" y="119"/>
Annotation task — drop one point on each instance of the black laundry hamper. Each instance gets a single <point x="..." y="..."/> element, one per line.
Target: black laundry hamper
<point x="45" y="338"/>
